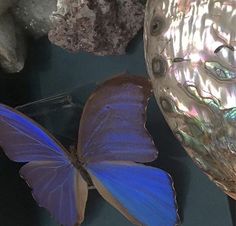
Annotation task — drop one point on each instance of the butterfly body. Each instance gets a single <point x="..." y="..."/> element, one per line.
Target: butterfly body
<point x="111" y="142"/>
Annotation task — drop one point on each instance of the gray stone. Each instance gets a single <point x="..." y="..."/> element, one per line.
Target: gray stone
<point x="5" y="4"/>
<point x="34" y="15"/>
<point x="12" y="45"/>
<point x="103" y="27"/>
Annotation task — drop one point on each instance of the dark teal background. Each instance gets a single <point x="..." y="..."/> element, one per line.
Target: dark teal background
<point x="50" y="70"/>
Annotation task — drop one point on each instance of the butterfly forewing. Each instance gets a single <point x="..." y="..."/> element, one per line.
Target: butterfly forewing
<point x="23" y="140"/>
<point x="112" y="123"/>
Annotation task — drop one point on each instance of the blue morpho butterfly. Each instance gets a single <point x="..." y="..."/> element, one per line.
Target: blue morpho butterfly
<point x="112" y="138"/>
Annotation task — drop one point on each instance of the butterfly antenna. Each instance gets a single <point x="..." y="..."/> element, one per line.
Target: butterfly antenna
<point x="74" y="98"/>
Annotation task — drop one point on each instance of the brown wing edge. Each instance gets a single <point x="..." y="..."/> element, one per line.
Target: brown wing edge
<point x="124" y="78"/>
<point x="178" y="220"/>
<point x="82" y="197"/>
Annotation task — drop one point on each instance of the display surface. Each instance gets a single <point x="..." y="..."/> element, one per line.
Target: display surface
<point x="111" y="139"/>
<point x="191" y="59"/>
<point x="51" y="71"/>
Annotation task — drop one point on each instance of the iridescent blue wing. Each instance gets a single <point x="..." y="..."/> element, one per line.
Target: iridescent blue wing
<point x="58" y="188"/>
<point x="143" y="194"/>
<point x="56" y="184"/>
<point x="112" y="126"/>
<point x="23" y="140"/>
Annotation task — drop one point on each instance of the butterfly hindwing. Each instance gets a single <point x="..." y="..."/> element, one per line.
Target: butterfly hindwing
<point x="56" y="184"/>
<point x="143" y="194"/>
<point x="112" y="124"/>
<point x="55" y="187"/>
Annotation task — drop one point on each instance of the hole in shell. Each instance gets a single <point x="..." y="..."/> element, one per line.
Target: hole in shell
<point x="166" y="105"/>
<point x="159" y="66"/>
<point x="157" y="26"/>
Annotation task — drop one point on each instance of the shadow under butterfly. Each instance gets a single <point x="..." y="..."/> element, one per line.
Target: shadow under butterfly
<point x="112" y="143"/>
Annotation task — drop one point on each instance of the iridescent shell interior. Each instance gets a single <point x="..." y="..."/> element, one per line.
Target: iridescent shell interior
<point x="190" y="48"/>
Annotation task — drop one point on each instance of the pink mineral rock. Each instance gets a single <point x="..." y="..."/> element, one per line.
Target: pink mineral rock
<point x="103" y="27"/>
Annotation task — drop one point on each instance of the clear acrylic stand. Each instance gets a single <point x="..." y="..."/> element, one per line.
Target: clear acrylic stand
<point x="60" y="114"/>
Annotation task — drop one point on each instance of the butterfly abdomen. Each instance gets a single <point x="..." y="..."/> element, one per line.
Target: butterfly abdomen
<point x="80" y="166"/>
<point x="86" y="176"/>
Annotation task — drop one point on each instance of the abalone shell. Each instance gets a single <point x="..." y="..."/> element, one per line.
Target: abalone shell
<point x="190" y="49"/>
